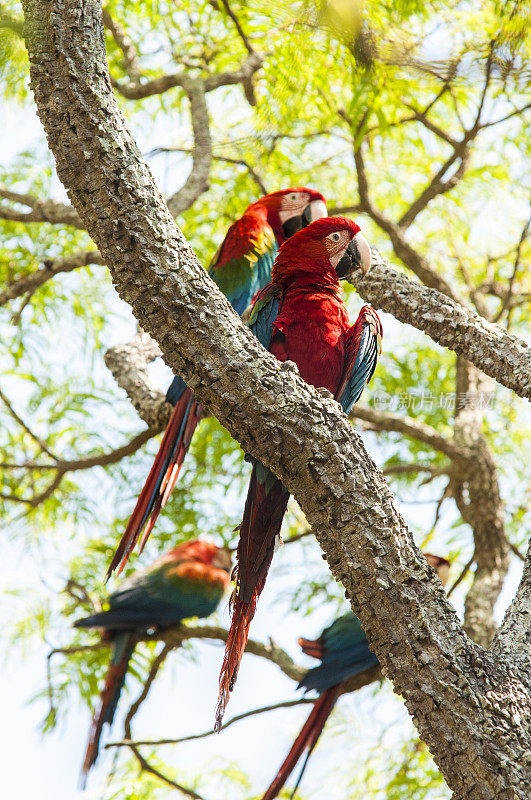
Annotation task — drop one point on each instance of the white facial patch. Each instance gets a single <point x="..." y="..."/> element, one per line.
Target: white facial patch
<point x="336" y="243"/>
<point x="318" y="209"/>
<point x="292" y="205"/>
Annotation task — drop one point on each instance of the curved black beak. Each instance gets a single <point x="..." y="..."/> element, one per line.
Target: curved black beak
<point x="296" y="224"/>
<point x="313" y="211"/>
<point x="356" y="256"/>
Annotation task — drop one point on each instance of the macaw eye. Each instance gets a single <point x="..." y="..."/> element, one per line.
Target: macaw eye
<point x="293" y="196"/>
<point x="335" y="237"/>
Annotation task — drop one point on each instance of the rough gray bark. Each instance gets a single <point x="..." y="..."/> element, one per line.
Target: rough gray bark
<point x="470" y="705"/>
<point x="488" y="346"/>
<point x="482" y="509"/>
<point x="128" y="365"/>
<point x="415" y="428"/>
<point x="512" y="637"/>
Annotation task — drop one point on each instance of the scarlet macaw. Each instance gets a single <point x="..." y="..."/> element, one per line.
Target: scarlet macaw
<point x="344" y="653"/>
<point x="241" y="267"/>
<point x="188" y="581"/>
<point x="299" y="316"/>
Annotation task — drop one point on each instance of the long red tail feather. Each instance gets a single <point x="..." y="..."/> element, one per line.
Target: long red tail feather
<point x="114" y="681"/>
<point x="307" y="738"/>
<point x="161" y="479"/>
<point x="262" y="519"/>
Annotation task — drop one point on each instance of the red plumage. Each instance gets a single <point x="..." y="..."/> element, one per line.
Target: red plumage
<point x="262" y="519"/>
<point x="311" y="647"/>
<point x="311" y="328"/>
<point x="240" y="233"/>
<point x="188" y="413"/>
<point x="114" y="681"/>
<point x="307" y="739"/>
<point x="250" y="240"/>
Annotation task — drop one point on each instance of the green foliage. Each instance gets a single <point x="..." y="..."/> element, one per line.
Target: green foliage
<point x="410" y="774"/>
<point x="334" y="73"/>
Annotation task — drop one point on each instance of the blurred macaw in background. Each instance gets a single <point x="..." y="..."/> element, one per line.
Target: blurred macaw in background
<point x="344" y="653"/>
<point x="299" y="316"/>
<point x="241" y="266"/>
<point x="188" y="581"/>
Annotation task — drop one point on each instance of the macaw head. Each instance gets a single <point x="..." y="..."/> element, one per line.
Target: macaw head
<point x="205" y="552"/>
<point x="291" y="210"/>
<point x="440" y="565"/>
<point x="328" y="250"/>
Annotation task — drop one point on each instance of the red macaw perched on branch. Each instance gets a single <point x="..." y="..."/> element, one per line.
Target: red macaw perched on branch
<point x="299" y="316"/>
<point x="241" y="267"/>
<point x="344" y="653"/>
<point x="189" y="581"/>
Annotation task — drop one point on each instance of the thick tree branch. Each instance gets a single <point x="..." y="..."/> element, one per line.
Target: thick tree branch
<point x="51" y="267"/>
<point x="197" y="181"/>
<point x="414" y="260"/>
<point x="455" y="690"/>
<point x="128" y="364"/>
<point x="138" y="91"/>
<point x="131" y="61"/>
<point x="500" y="355"/>
<point x="409" y="302"/>
<point x="415" y="429"/>
<point x="482" y="509"/>
<point x="41" y="210"/>
<point x="512" y="637"/>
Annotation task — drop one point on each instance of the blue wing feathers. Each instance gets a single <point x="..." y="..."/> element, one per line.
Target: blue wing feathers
<point x="175" y="390"/>
<point x="361" y="370"/>
<point x="332" y="671"/>
<point x="263" y="327"/>
<point x="264" y="313"/>
<point x="345" y="653"/>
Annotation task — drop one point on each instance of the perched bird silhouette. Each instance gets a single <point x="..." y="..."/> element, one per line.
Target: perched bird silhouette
<point x="344" y="653"/>
<point x="299" y="316"/>
<point x="188" y="581"/>
<point x="241" y="266"/>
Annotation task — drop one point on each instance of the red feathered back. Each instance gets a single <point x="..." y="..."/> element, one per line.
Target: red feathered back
<point x="197" y="550"/>
<point x="264" y="211"/>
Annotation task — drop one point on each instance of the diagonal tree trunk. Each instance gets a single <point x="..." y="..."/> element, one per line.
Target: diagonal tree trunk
<point x="471" y="706"/>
